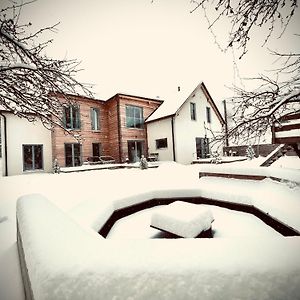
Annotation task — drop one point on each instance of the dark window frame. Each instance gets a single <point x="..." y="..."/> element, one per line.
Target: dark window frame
<point x="193" y="111"/>
<point x="33" y="157"/>
<point x="73" y="156"/>
<point x="132" y="120"/>
<point x="208" y="114"/>
<point x="95" y="124"/>
<point x="73" y="112"/>
<point x="202" y="147"/>
<point x="161" y="143"/>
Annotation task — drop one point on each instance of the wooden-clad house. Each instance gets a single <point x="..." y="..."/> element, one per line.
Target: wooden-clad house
<point x="114" y="127"/>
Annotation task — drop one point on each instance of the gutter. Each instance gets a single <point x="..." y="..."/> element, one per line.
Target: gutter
<point x="5" y="143"/>
<point x="173" y="138"/>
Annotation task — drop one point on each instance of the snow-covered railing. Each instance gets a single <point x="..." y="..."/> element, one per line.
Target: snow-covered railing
<point x="252" y="173"/>
<point x="287" y="130"/>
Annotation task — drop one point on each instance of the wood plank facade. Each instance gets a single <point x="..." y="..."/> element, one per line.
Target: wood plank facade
<point x="113" y="136"/>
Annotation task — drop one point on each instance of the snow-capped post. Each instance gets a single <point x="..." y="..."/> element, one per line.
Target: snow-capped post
<point x="143" y="163"/>
<point x="56" y="166"/>
<point x="29" y="80"/>
<point x="250" y="153"/>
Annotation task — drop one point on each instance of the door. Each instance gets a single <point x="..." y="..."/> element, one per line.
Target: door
<point x="96" y="149"/>
<point x="202" y="147"/>
<point x="135" y="150"/>
<point x="72" y="155"/>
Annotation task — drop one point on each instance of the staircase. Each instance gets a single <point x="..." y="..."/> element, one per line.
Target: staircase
<point x="275" y="154"/>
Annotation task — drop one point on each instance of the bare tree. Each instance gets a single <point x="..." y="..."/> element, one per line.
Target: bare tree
<point x="275" y="95"/>
<point x="29" y="79"/>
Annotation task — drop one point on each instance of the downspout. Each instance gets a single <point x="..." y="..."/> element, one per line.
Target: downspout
<point x="5" y="143"/>
<point x="173" y="139"/>
<point x="119" y="130"/>
<point x="226" y="126"/>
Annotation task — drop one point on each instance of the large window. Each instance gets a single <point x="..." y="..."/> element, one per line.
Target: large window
<point x="202" y="147"/>
<point x="72" y="117"/>
<point x="95" y="119"/>
<point x="32" y="157"/>
<point x="161" y="143"/>
<point x="208" y="115"/>
<point x="73" y="155"/>
<point x="193" y="111"/>
<point x="134" y="117"/>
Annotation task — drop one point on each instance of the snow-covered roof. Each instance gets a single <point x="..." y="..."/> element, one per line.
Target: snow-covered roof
<point x="173" y="103"/>
<point x="176" y="100"/>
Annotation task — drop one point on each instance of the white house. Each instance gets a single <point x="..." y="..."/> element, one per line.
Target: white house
<point x="181" y="128"/>
<point x="25" y="146"/>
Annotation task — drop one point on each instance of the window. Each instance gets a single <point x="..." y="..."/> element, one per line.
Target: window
<point x="95" y="119"/>
<point x="73" y="155"/>
<point x="202" y="147"/>
<point x="96" y="149"/>
<point x="134" y="117"/>
<point x="161" y="143"/>
<point x="193" y="111"/>
<point x="72" y="117"/>
<point x="32" y="157"/>
<point x="208" y="115"/>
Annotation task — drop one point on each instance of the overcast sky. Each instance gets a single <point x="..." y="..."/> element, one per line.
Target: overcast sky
<point x="147" y="49"/>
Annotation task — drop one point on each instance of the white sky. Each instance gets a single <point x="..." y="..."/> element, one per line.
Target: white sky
<point x="147" y="49"/>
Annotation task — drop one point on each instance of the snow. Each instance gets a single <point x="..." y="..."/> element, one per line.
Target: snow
<point x="284" y="174"/>
<point x="149" y="269"/>
<point x="172" y="105"/>
<point x="288" y="133"/>
<point x="183" y="219"/>
<point x="227" y="224"/>
<point x="65" y="252"/>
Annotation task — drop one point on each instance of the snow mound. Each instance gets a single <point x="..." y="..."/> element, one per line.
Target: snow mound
<point x="183" y="219"/>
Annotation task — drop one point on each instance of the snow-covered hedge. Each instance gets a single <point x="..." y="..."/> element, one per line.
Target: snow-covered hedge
<point x="65" y="260"/>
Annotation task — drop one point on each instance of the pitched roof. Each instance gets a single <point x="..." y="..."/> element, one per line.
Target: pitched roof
<point x="173" y="105"/>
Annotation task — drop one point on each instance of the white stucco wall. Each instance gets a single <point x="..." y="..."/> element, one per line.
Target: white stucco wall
<point x="158" y="130"/>
<point x="19" y="132"/>
<point x="186" y="130"/>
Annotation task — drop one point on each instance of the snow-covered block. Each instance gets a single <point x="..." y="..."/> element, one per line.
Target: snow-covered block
<point x="183" y="219"/>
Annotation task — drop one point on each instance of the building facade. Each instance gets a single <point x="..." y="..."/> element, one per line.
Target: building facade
<point x="114" y="127"/>
<point x="182" y="132"/>
<point x="25" y="146"/>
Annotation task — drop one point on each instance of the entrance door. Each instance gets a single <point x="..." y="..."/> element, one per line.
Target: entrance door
<point x="202" y="147"/>
<point x="135" y="150"/>
<point x="96" y="149"/>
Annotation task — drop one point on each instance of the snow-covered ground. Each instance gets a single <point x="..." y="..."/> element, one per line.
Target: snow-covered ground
<point x="227" y="224"/>
<point x="82" y="195"/>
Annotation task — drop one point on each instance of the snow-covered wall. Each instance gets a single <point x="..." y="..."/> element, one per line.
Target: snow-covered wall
<point x="67" y="261"/>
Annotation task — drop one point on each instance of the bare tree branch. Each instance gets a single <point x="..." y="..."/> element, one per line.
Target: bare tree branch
<point x="29" y="80"/>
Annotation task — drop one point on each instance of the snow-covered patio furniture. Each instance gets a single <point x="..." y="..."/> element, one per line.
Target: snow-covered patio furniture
<point x="183" y="219"/>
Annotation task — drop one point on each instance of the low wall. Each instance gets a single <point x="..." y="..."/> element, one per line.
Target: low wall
<point x="62" y="260"/>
